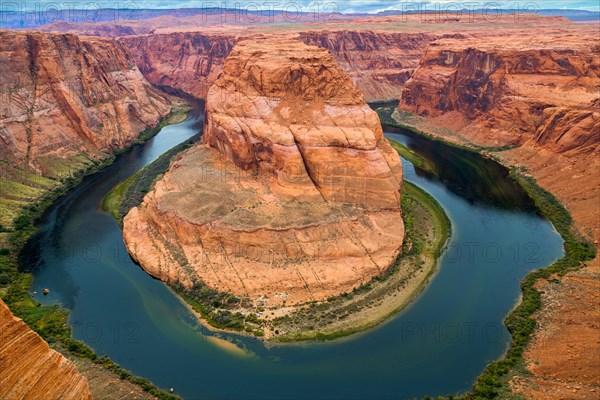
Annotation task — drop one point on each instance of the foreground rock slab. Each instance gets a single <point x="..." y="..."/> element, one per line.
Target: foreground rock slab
<point x="294" y="195"/>
<point x="30" y="369"/>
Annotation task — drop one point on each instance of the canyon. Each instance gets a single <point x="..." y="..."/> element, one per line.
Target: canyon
<point x="526" y="88"/>
<point x="379" y="63"/>
<point x="30" y="369"/>
<point x="513" y="94"/>
<point x="535" y="97"/>
<point x="67" y="103"/>
<point x="300" y="191"/>
<point x="523" y="84"/>
<point x="533" y="93"/>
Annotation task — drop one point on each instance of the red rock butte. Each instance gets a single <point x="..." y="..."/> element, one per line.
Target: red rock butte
<point x="293" y="196"/>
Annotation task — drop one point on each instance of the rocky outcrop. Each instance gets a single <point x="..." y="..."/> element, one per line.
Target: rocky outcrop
<point x="378" y="63"/>
<point x="65" y="101"/>
<point x="295" y="115"/>
<point x="68" y="96"/>
<point x="187" y="61"/>
<point x="30" y="369"/>
<point x="510" y="96"/>
<point x="295" y="194"/>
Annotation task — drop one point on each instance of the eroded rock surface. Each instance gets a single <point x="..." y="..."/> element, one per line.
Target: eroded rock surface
<point x="65" y="101"/>
<point x="512" y="93"/>
<point x="294" y="195"/>
<point x="65" y="95"/>
<point x="30" y="369"/>
<point x="189" y="61"/>
<point x="378" y="63"/>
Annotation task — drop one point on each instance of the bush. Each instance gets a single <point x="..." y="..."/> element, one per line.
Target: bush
<point x="22" y="222"/>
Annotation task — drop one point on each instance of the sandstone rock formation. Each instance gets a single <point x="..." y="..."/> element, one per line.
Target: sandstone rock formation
<point x="293" y="114"/>
<point x="378" y="63"/>
<point x="30" y="369"/>
<point x="503" y="84"/>
<point x="66" y="96"/>
<point x="65" y="100"/>
<point x="536" y="93"/>
<point x="294" y="196"/>
<point x="187" y="61"/>
<point x="511" y="95"/>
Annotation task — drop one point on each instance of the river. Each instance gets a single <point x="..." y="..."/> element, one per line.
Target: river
<point x="437" y="346"/>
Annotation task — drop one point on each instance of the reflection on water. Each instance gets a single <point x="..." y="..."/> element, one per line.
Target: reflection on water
<point x="438" y="346"/>
<point x="474" y="178"/>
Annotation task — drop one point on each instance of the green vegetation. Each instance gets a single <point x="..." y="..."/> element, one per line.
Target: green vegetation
<point x="51" y="322"/>
<point x="130" y="193"/>
<point x="219" y="309"/>
<point x="493" y="382"/>
<point x="413" y="157"/>
<point x="20" y="188"/>
<point x="521" y="324"/>
<point x="112" y="201"/>
<point x="413" y="196"/>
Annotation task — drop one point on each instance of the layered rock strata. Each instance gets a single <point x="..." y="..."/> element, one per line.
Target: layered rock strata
<point x="511" y="95"/>
<point x="378" y="63"/>
<point x="66" y="95"/>
<point x="189" y="61"/>
<point x="294" y="195"/>
<point x="30" y="369"/>
<point x="65" y="100"/>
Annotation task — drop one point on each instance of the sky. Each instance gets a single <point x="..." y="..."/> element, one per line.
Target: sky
<point x="346" y="6"/>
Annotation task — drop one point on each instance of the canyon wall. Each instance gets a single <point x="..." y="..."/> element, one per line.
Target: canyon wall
<point x="294" y="195"/>
<point x="65" y="100"/>
<point x="536" y="97"/>
<point x="30" y="369"/>
<point x="510" y="96"/>
<point x="378" y="63"/>
<point x="187" y="61"/>
<point x="66" y="96"/>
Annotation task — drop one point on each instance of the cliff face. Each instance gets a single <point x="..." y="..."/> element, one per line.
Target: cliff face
<point x="66" y="96"/>
<point x="30" y="369"/>
<point x="65" y="101"/>
<point x="187" y="61"/>
<point x="293" y="113"/>
<point x="497" y="97"/>
<point x="378" y="63"/>
<point x="294" y="196"/>
<point x="541" y="100"/>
